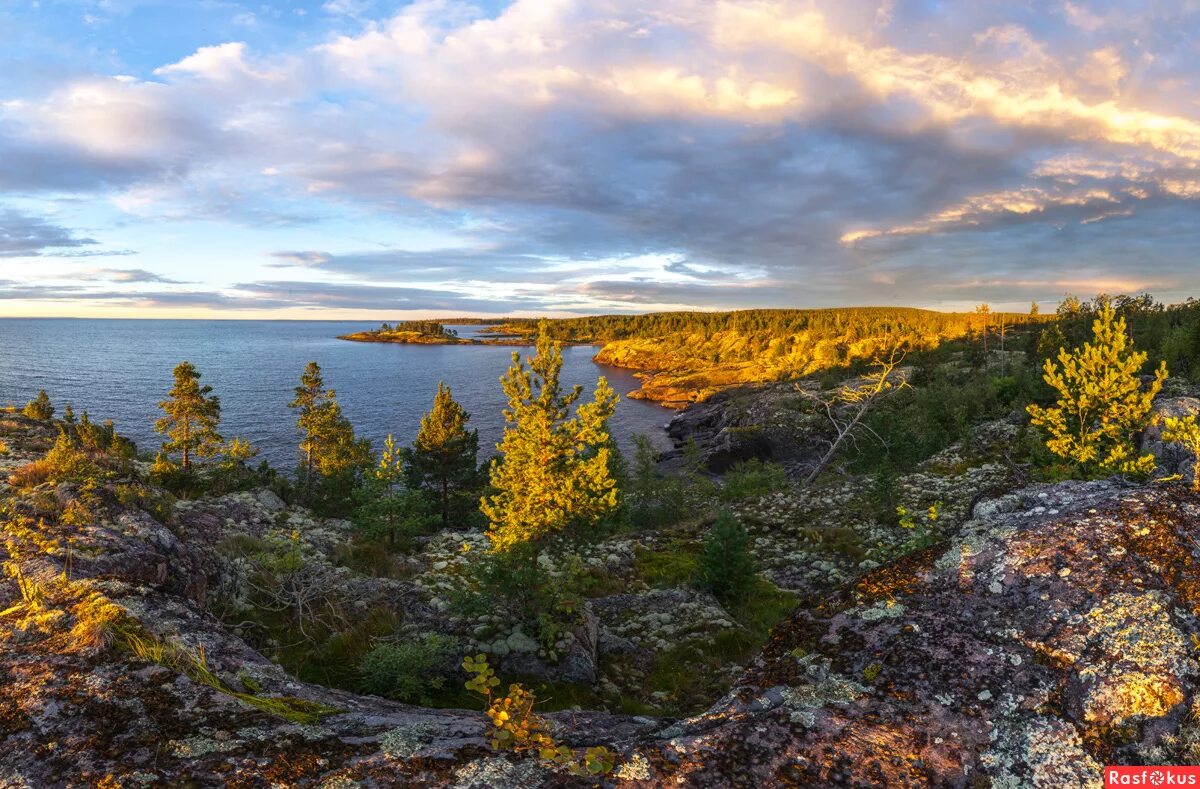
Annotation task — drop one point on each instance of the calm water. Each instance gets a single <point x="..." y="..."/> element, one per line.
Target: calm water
<point x="121" y="369"/>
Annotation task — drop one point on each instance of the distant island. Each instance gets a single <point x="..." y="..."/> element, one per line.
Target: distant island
<point x="411" y="333"/>
<point x="686" y="357"/>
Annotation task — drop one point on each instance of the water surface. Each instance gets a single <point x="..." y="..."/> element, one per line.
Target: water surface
<point x="121" y="369"/>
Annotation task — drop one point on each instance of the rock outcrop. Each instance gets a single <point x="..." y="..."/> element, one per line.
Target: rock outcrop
<point x="1055" y="631"/>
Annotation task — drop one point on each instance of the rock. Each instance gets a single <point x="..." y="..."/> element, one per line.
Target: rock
<point x="1042" y="638"/>
<point x="519" y="642"/>
<point x="1172" y="457"/>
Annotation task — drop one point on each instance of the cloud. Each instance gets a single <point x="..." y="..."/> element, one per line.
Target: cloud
<point x="763" y="151"/>
<point x="121" y="275"/>
<point x="22" y="235"/>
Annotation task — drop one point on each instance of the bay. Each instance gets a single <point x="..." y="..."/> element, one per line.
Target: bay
<point x="121" y="369"/>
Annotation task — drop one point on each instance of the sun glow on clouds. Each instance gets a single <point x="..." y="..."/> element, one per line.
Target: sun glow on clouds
<point x="616" y="156"/>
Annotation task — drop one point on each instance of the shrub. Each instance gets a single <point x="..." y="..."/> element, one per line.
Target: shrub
<point x="516" y="727"/>
<point x="655" y="499"/>
<point x="726" y="566"/>
<point x="752" y="478"/>
<point x="1185" y="431"/>
<point x="64" y="462"/>
<point x="39" y="407"/>
<point x="408" y="671"/>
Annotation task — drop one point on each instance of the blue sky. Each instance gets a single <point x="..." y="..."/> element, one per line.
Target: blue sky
<point x="371" y="159"/>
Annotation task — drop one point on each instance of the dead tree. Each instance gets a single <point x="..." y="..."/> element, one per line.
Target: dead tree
<point x="847" y="407"/>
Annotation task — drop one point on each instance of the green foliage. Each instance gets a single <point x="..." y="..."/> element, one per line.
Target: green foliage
<point x="39" y="407"/>
<point x="753" y="478"/>
<point x="1101" y="405"/>
<point x="386" y="510"/>
<point x="553" y="473"/>
<point x="727" y="568"/>
<point x="677" y="564"/>
<point x="518" y="583"/>
<point x="923" y="527"/>
<point x="652" y="499"/>
<point x="332" y="456"/>
<point x="409" y="671"/>
<point x="443" y="460"/>
<point x="191" y="416"/>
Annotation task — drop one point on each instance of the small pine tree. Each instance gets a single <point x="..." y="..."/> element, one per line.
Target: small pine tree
<point x="1034" y="309"/>
<point x="328" y="445"/>
<point x="726" y="567"/>
<point x="39" y="407"/>
<point x="1101" y="404"/>
<point x="191" y="417"/>
<point x="69" y="415"/>
<point x="442" y="461"/>
<point x="386" y="509"/>
<point x="553" y="472"/>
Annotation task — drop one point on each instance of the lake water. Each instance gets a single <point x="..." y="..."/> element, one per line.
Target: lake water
<point x="121" y="369"/>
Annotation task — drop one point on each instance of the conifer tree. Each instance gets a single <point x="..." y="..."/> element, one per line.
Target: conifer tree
<point x="191" y="416"/>
<point x="39" y="407"/>
<point x="553" y="472"/>
<point x="328" y="445"/>
<point x="1034" y="309"/>
<point x="1102" y="404"/>
<point x="726" y="566"/>
<point x="443" y="459"/>
<point x="387" y="509"/>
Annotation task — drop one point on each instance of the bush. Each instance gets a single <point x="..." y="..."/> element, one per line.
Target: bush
<point x="63" y="463"/>
<point x="726" y="566"/>
<point x="409" y="671"/>
<point x="654" y="499"/>
<point x="39" y="407"/>
<point x="752" y="478"/>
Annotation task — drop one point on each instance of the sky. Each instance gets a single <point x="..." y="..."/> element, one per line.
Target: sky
<point x="374" y="159"/>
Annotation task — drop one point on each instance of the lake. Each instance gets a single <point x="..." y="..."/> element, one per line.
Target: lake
<point x="121" y="369"/>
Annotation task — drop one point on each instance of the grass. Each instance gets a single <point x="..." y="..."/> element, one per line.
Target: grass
<point x="195" y="665"/>
<point x="675" y="565"/>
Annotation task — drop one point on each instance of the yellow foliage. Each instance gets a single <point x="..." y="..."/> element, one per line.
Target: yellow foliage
<point x="516" y="727"/>
<point x="1101" y="403"/>
<point x="97" y="620"/>
<point x="554" y="469"/>
<point x="1185" y="431"/>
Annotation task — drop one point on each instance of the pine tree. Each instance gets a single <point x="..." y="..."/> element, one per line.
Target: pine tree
<point x="726" y="566"/>
<point x="69" y="415"/>
<point x="553" y="472"/>
<point x="443" y="458"/>
<point x="1101" y="404"/>
<point x="39" y="407"/>
<point x="1034" y="309"/>
<point x="386" y="509"/>
<point x="191" y="417"/>
<point x="328" y="445"/>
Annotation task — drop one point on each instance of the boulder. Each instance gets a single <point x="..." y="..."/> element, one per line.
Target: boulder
<point x="1172" y="457"/>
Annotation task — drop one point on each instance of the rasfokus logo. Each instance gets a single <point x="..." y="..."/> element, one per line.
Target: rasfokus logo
<point x="1152" y="776"/>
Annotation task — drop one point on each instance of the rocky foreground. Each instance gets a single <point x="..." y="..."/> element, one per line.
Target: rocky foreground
<point x="1055" y="631"/>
